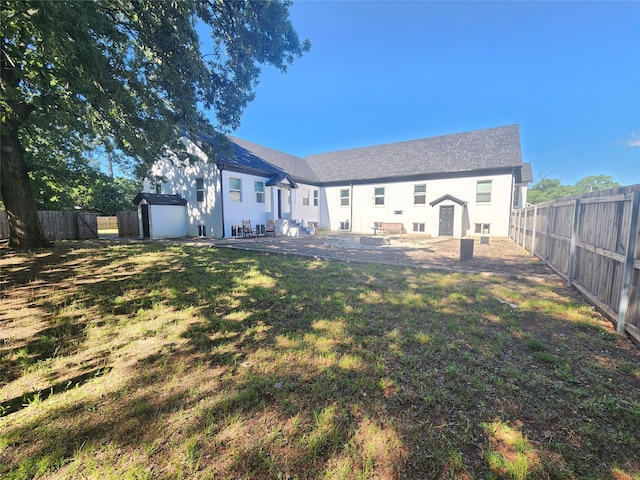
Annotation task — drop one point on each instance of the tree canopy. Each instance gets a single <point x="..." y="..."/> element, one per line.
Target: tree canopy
<point x="552" y="189"/>
<point x="127" y="75"/>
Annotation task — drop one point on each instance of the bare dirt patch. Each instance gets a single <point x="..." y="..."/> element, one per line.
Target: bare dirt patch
<point x="498" y="256"/>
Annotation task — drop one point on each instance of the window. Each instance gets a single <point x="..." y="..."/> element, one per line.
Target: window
<point x="344" y="225"/>
<point x="482" y="228"/>
<point x="158" y="184"/>
<point x="344" y="197"/>
<point x="258" y="187"/>
<point x="315" y="198"/>
<point x="200" y="189"/>
<point x="378" y="196"/>
<point x="483" y="191"/>
<point x="235" y="189"/>
<point x="418" y="227"/>
<point x="420" y="194"/>
<point x="305" y="197"/>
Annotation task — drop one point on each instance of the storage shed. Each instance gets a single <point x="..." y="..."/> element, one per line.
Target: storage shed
<point x="161" y="215"/>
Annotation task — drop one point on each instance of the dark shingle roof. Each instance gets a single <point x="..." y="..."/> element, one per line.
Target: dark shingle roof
<point x="268" y="160"/>
<point x="159" y="199"/>
<point x="461" y="152"/>
<point x="526" y="173"/>
<point x="234" y="154"/>
<point x="492" y="148"/>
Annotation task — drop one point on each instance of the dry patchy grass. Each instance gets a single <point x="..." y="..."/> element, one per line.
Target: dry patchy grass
<point x="148" y="361"/>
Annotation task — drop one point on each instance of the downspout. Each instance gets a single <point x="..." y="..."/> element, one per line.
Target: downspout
<point x="222" y="199"/>
<point x="351" y="208"/>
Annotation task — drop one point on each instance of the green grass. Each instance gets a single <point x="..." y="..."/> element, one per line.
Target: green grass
<point x="149" y="361"/>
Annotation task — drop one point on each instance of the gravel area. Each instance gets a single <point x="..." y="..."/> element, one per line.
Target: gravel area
<point x="501" y="255"/>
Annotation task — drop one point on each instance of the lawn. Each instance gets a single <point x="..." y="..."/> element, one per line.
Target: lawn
<point x="153" y="361"/>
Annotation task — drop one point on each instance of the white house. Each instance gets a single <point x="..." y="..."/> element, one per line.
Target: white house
<point x="451" y="185"/>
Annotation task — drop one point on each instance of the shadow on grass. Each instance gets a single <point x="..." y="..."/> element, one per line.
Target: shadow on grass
<point x="280" y="366"/>
<point x="28" y="399"/>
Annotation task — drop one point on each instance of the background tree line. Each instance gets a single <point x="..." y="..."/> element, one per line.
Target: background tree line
<point x="552" y="189"/>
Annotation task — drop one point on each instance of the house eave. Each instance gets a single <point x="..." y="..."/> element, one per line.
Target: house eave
<point x="421" y="177"/>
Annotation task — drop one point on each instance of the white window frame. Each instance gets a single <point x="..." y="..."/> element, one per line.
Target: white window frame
<point x="259" y="193"/>
<point x="378" y="197"/>
<point x="200" y="189"/>
<point x="420" y="197"/>
<point x="316" y="197"/>
<point x="235" y="191"/>
<point x="305" y="197"/>
<point x="345" y="198"/>
<point x="482" y="228"/>
<point x="482" y="194"/>
<point x="419" y="227"/>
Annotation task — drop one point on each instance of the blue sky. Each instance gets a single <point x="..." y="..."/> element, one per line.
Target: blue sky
<point x="378" y="72"/>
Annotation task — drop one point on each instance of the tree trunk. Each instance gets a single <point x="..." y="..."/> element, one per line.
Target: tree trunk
<point x="25" y="229"/>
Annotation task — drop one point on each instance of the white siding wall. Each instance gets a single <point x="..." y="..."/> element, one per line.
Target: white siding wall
<point x="399" y="197"/>
<point x="246" y="209"/>
<point x="180" y="178"/>
<point x="310" y="212"/>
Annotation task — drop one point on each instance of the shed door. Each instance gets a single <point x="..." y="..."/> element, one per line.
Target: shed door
<point x="446" y="221"/>
<point x="145" y="221"/>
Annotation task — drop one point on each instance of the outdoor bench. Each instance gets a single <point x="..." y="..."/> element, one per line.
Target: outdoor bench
<point x="388" y="227"/>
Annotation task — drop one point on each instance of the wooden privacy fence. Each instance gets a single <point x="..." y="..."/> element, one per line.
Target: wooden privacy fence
<point x="128" y="224"/>
<point x="107" y="223"/>
<point x="71" y="225"/>
<point x="593" y="242"/>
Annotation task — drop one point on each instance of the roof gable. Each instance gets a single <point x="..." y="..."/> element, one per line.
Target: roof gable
<point x="462" y="203"/>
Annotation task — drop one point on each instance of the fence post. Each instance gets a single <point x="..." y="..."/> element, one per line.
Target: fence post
<point x="572" y="249"/>
<point x="524" y="228"/>
<point x="546" y="237"/>
<point x="628" y="265"/>
<point x="533" y="234"/>
<point x="519" y="224"/>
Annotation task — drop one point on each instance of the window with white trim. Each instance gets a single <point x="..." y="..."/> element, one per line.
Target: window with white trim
<point x="482" y="228"/>
<point x="418" y="227"/>
<point x="378" y="196"/>
<point x="483" y="191"/>
<point x="200" y="189"/>
<point x="345" y="199"/>
<point x="258" y="188"/>
<point x="315" y="198"/>
<point x="305" y="197"/>
<point x="420" y="194"/>
<point x="344" y="225"/>
<point x="158" y="184"/>
<point x="235" y="189"/>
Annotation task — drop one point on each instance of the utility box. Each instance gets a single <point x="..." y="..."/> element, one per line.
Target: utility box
<point x="466" y="249"/>
<point x="484" y="240"/>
